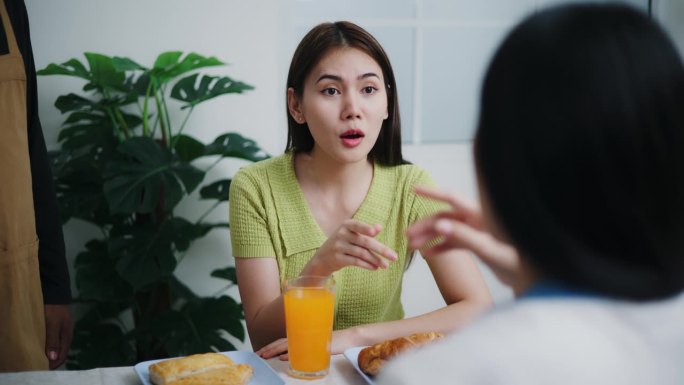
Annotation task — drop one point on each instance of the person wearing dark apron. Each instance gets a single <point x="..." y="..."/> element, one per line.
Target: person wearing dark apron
<point x="35" y="318"/>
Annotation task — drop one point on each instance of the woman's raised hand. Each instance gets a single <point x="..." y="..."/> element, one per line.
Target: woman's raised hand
<point x="462" y="227"/>
<point x="352" y="244"/>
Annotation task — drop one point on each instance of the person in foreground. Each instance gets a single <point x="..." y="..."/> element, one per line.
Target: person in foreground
<point x="580" y="162"/>
<point x="338" y="202"/>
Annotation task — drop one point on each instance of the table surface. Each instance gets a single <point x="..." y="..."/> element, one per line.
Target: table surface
<point x="341" y="373"/>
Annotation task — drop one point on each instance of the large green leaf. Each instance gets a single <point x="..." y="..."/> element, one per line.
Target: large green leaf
<point x="103" y="73"/>
<point x="132" y="120"/>
<point x="150" y="174"/>
<point x="86" y="116"/>
<point x="99" y="312"/>
<point x="181" y="292"/>
<point x="183" y="232"/>
<point x="82" y="135"/>
<point x="146" y="253"/>
<point x="96" y="276"/>
<point x="80" y="201"/>
<point x="169" y="65"/>
<point x="72" y="67"/>
<point x="188" y="148"/>
<point x="167" y="60"/>
<point x="232" y="145"/>
<point x="70" y="167"/>
<point x="191" y="92"/>
<point x="218" y="313"/>
<point x="218" y="190"/>
<point x="99" y="338"/>
<point x="143" y="253"/>
<point x="199" y="326"/>
<point x="100" y="345"/>
<point x="78" y="183"/>
<point x="137" y="78"/>
<point x="123" y="64"/>
<point x="73" y="102"/>
<point x="136" y="85"/>
<point x="89" y="129"/>
<point x="227" y="273"/>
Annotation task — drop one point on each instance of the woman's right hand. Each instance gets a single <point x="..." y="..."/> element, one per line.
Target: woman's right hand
<point x="352" y="244"/>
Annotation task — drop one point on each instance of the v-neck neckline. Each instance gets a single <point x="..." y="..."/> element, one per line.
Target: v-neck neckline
<point x="359" y="211"/>
<point x="294" y="214"/>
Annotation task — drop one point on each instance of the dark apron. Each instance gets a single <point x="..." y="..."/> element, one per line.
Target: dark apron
<point x="22" y="317"/>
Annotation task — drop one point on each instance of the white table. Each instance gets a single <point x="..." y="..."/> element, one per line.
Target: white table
<point x="341" y="373"/>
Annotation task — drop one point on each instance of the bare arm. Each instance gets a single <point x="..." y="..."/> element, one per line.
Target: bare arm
<point x="258" y="282"/>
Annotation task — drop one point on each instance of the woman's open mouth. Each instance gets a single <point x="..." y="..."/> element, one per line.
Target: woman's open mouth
<point x="352" y="138"/>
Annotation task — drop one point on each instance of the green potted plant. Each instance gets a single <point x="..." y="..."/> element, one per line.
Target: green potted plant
<point x="124" y="166"/>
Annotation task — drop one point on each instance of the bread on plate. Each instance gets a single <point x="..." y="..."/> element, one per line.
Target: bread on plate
<point x="372" y="358"/>
<point x="200" y="369"/>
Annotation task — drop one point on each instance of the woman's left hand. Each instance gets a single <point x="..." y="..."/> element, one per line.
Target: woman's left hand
<point x="277" y="347"/>
<point x="341" y="341"/>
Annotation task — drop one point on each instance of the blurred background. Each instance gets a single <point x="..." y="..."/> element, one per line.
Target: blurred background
<point x="439" y="50"/>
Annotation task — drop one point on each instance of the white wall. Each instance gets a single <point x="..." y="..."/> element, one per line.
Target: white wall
<point x="671" y="14"/>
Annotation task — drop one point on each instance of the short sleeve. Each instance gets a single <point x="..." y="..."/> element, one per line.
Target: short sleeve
<point x="422" y="207"/>
<point x="249" y="231"/>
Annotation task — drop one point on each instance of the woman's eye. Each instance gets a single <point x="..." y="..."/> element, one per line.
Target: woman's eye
<point x="369" y="90"/>
<point x="330" y="91"/>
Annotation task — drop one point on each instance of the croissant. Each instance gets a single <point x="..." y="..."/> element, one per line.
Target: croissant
<point x="372" y="358"/>
<point x="200" y="369"/>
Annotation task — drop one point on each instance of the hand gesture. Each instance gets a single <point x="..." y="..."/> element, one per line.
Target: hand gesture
<point x="352" y="244"/>
<point x="462" y="227"/>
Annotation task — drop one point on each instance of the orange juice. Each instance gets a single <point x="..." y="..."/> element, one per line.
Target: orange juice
<point x="309" y="315"/>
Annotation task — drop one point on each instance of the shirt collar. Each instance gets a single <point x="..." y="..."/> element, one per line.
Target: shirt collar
<point x="555" y="289"/>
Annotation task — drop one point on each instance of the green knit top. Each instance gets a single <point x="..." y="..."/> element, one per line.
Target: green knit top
<point x="270" y="218"/>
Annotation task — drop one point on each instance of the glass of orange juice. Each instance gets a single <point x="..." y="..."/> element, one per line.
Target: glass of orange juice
<point x="309" y="311"/>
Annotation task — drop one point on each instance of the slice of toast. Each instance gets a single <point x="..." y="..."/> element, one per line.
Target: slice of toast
<point x="208" y="368"/>
<point x="235" y="375"/>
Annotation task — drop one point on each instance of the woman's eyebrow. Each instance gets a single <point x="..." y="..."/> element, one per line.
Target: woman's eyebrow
<point x="331" y="77"/>
<point x="369" y="75"/>
<point x="339" y="78"/>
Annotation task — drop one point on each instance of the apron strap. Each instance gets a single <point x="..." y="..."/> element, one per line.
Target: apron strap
<point x="11" y="40"/>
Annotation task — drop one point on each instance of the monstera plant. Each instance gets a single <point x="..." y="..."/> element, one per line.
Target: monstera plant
<point x="124" y="165"/>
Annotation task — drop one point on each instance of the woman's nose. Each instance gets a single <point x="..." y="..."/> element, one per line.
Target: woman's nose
<point x="352" y="107"/>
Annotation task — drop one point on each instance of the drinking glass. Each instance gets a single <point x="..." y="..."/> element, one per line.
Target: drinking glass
<point x="309" y="312"/>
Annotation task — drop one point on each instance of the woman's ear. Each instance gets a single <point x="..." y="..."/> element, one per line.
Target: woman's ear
<point x="294" y="106"/>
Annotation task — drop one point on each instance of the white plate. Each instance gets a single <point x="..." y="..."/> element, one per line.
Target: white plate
<point x="263" y="373"/>
<point x="352" y="354"/>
